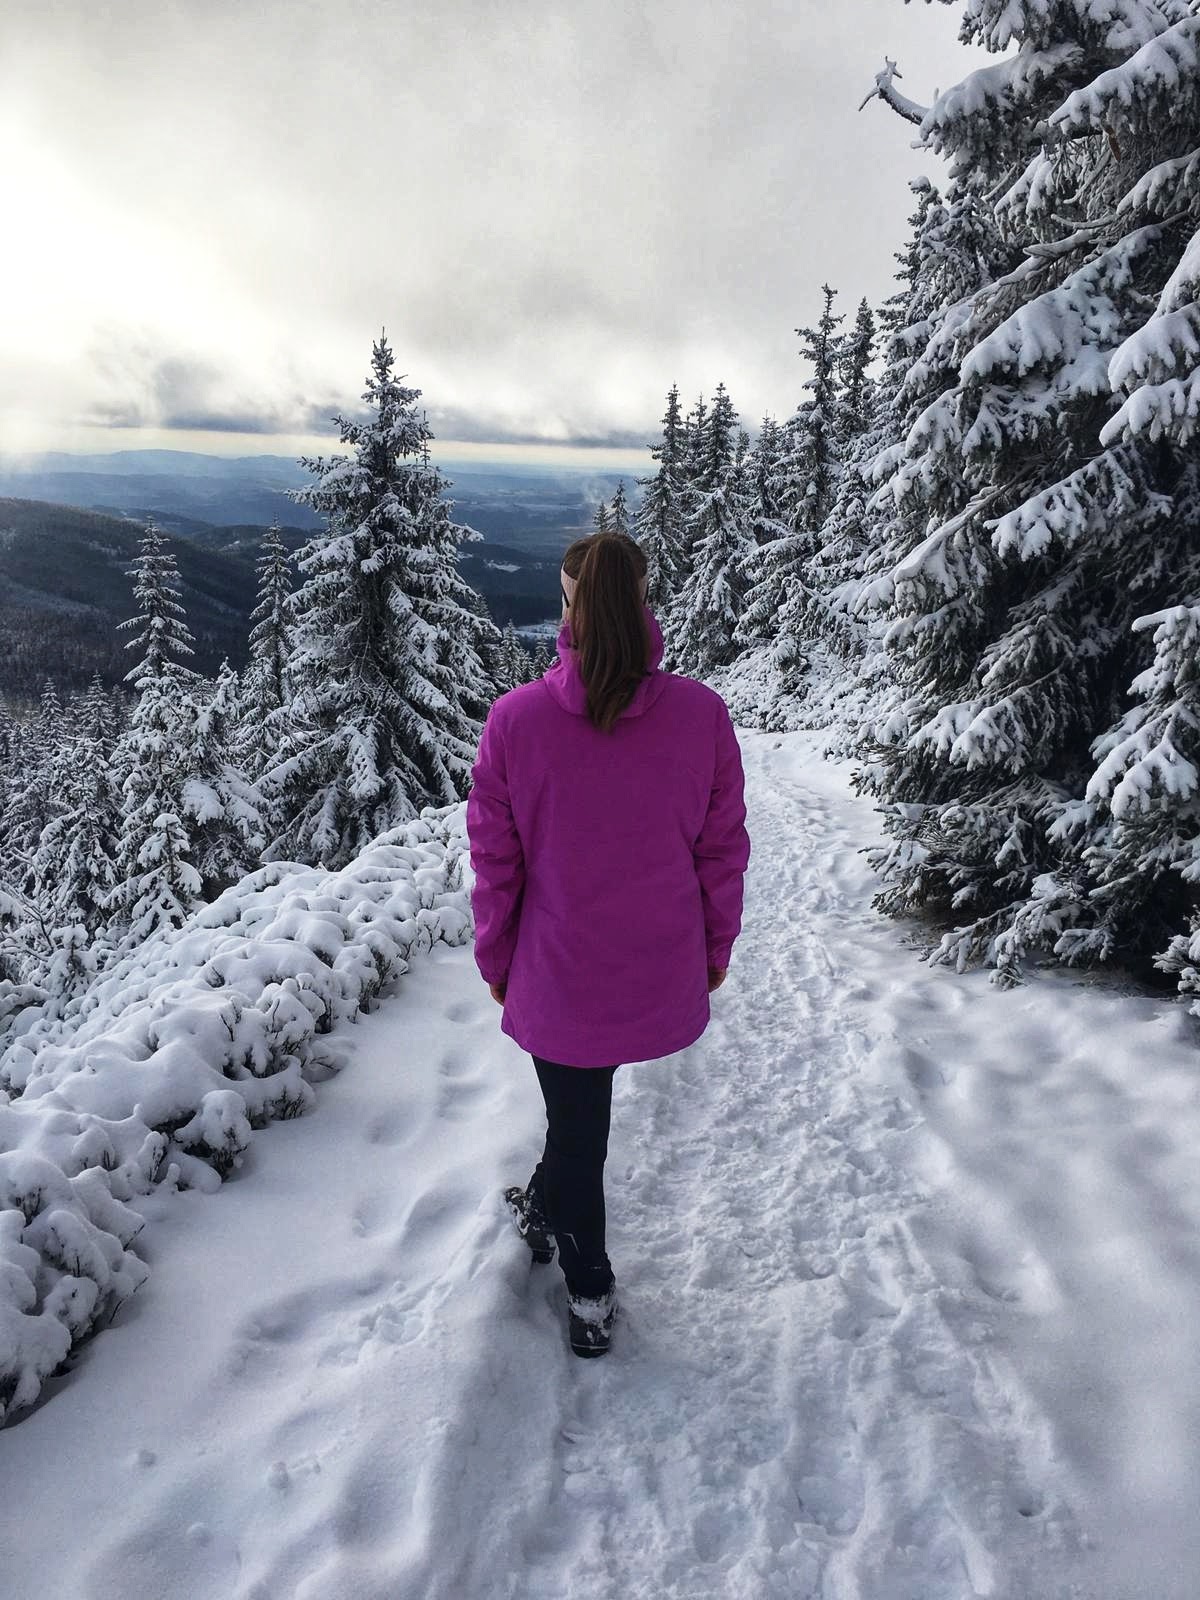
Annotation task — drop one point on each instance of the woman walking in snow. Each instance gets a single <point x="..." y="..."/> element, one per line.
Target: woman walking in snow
<point x="608" y="841"/>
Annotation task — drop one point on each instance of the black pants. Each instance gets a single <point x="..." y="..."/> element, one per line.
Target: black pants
<point x="569" y="1179"/>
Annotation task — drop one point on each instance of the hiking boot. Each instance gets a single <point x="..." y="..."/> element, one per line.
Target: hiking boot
<point x="590" y="1321"/>
<point x="531" y="1223"/>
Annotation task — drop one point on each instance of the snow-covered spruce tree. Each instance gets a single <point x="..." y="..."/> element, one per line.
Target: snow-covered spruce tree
<point x="28" y="794"/>
<point x="1133" y="841"/>
<point x="220" y="806"/>
<point x="69" y="971"/>
<point x="861" y="540"/>
<point x="8" y="737"/>
<point x="618" y="510"/>
<point x="836" y="563"/>
<point x="706" y="611"/>
<point x="157" y="884"/>
<point x="33" y="791"/>
<point x="852" y="361"/>
<point x="803" y="480"/>
<point x="1143" y="849"/>
<point x="658" y="525"/>
<point x="811" y="444"/>
<point x="687" y="480"/>
<point x="1037" y="515"/>
<point x="389" y="690"/>
<point x="265" y="688"/>
<point x="810" y="471"/>
<point x="515" y="664"/>
<point x="765" y="526"/>
<point x="693" y="456"/>
<point x="75" y="864"/>
<point x="602" y="521"/>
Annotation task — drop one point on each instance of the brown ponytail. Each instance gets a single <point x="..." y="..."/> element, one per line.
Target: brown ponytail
<point x="608" y="622"/>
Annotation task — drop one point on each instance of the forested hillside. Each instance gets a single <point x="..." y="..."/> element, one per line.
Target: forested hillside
<point x="64" y="588"/>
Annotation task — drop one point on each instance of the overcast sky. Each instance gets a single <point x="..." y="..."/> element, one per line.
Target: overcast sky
<point x="554" y="210"/>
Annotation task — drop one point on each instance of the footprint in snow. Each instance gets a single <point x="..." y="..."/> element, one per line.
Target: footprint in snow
<point x="388" y="1127"/>
<point x="464" y="1011"/>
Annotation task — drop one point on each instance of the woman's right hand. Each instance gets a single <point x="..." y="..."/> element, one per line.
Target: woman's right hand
<point x="716" y="977"/>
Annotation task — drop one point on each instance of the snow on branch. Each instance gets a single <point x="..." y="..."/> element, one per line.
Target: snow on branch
<point x="1081" y="314"/>
<point x="1156" y="78"/>
<point x="885" y="89"/>
<point x="1158" y="365"/>
<point x="1165" y="187"/>
<point x="1078" y="507"/>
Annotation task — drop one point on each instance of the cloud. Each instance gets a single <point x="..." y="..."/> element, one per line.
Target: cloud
<point x="555" y="212"/>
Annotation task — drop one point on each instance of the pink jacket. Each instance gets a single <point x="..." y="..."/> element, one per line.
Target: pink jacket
<point x="608" y="866"/>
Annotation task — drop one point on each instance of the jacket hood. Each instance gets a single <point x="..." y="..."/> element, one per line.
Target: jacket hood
<point x="570" y="691"/>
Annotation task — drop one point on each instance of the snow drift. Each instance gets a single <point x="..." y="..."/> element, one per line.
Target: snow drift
<point x="162" y="1070"/>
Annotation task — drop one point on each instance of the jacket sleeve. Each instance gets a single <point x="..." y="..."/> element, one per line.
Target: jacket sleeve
<point x="497" y="858"/>
<point x="722" y="848"/>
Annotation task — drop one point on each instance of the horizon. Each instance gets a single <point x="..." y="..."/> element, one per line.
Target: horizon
<point x="461" y="454"/>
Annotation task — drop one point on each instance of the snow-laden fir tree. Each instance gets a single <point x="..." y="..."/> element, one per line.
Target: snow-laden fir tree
<point x="852" y="362"/>
<point x="265" y="688"/>
<point x="542" y="662"/>
<point x="8" y="737"/>
<point x="389" y="689"/>
<point x="515" y="664"/>
<point x="804" y="480"/>
<point x="157" y="883"/>
<point x="1145" y="859"/>
<point x="692" y="468"/>
<point x="658" y="521"/>
<point x="75" y="863"/>
<point x="220" y="806"/>
<point x="766" y="525"/>
<point x="618" y="510"/>
<point x="856" y="540"/>
<point x="602" y="521"/>
<point x="704" y="615"/>
<point x="32" y="790"/>
<point x="71" y="966"/>
<point x="811" y="442"/>
<point x="830" y="574"/>
<point x="1045" y="496"/>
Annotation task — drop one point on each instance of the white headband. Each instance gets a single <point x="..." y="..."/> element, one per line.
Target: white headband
<point x="569" y="584"/>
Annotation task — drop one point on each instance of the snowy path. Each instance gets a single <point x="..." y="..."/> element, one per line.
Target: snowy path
<point x="866" y="1232"/>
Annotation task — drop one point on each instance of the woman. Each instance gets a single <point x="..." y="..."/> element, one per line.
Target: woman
<point x="608" y="840"/>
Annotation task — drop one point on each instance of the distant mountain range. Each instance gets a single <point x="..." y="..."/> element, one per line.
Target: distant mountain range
<point x="531" y="507"/>
<point x="69" y="528"/>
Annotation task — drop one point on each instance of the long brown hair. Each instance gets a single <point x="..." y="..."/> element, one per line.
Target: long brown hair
<point x="608" y="622"/>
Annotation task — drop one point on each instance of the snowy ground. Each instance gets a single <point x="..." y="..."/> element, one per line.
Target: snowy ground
<point x="911" y="1291"/>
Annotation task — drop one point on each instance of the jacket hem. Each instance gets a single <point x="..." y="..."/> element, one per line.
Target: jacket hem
<point x="621" y="1051"/>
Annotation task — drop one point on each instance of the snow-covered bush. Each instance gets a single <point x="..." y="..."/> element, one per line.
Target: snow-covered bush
<point x="159" y="1072"/>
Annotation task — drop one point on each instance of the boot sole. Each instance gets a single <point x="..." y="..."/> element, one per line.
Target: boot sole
<point x="580" y="1347"/>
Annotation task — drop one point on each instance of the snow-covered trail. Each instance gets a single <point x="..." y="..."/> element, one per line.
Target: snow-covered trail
<point x="909" y="1281"/>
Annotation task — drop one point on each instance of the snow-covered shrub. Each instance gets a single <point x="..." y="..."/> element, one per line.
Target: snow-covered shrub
<point x="161" y="1069"/>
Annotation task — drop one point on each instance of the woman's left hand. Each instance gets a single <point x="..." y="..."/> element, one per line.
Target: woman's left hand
<point x="497" y="992"/>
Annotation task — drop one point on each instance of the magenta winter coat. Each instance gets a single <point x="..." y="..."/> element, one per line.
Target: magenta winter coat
<point x="608" y="866"/>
